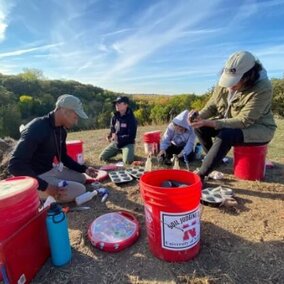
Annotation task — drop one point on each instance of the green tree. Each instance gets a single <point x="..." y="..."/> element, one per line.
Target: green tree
<point x="278" y="97"/>
<point x="5" y="96"/>
<point x="31" y="74"/>
<point x="26" y="105"/>
<point x="159" y="114"/>
<point x="142" y="113"/>
<point x="10" y="120"/>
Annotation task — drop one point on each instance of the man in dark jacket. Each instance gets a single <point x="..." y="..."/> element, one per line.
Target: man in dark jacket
<point x="45" y="138"/>
<point x="122" y="134"/>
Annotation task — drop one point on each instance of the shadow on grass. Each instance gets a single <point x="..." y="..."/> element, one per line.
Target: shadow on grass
<point x="224" y="258"/>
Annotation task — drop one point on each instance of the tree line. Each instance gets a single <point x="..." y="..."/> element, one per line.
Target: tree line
<point x="29" y="94"/>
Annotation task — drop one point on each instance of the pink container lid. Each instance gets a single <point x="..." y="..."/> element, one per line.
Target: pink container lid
<point x="19" y="201"/>
<point x="74" y="142"/>
<point x="14" y="190"/>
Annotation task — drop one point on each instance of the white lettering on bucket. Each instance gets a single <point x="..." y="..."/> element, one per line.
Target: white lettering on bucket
<point x="180" y="231"/>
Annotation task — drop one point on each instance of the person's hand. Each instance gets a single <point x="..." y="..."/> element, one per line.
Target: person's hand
<point x="204" y="122"/>
<point x="193" y="116"/>
<point x="108" y="138"/>
<point x="56" y="191"/>
<point x="180" y="154"/>
<point x="92" y="172"/>
<point x="113" y="137"/>
<point x="162" y="153"/>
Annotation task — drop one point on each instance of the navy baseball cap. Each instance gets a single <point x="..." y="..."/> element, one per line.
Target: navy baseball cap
<point x="120" y="99"/>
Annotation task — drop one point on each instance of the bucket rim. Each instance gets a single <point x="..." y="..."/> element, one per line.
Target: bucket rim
<point x="71" y="142"/>
<point x="153" y="132"/>
<point x="198" y="179"/>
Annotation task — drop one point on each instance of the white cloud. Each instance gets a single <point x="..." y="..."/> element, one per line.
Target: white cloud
<point x="5" y="9"/>
<point x="154" y="32"/>
<point x="28" y="50"/>
<point x="157" y="44"/>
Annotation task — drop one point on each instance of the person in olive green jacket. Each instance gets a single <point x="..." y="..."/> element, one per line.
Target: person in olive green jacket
<point x="238" y="112"/>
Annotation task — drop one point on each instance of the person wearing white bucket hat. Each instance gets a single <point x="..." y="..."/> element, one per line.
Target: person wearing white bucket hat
<point x="44" y="138"/>
<point x="238" y="112"/>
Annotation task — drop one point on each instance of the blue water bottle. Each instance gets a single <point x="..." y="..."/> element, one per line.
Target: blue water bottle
<point x="57" y="230"/>
<point x="198" y="151"/>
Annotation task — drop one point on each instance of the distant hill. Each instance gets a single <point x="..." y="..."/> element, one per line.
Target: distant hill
<point x="29" y="94"/>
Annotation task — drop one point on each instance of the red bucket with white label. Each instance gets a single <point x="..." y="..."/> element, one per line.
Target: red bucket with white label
<point x="172" y="214"/>
<point x="75" y="150"/>
<point x="152" y="142"/>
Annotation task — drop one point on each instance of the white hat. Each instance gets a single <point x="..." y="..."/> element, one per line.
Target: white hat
<point x="236" y="66"/>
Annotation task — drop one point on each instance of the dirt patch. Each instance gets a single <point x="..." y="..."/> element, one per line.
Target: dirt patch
<point x="238" y="245"/>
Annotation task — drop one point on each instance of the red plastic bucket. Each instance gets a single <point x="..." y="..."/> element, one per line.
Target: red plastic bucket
<point x="249" y="162"/>
<point x="25" y="251"/>
<point x="75" y="150"/>
<point x="172" y="214"/>
<point x="152" y="142"/>
<point x="19" y="202"/>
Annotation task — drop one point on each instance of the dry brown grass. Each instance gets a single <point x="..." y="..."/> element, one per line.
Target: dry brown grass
<point x="241" y="245"/>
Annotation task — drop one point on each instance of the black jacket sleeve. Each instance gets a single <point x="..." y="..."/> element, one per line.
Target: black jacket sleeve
<point x="21" y="160"/>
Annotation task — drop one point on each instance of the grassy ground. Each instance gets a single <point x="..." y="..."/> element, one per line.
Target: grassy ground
<point x="243" y="244"/>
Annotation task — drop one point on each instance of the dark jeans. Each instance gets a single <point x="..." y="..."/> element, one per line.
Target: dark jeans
<point x="173" y="149"/>
<point x="216" y="150"/>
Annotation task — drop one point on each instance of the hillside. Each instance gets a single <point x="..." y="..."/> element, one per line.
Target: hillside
<point x="238" y="245"/>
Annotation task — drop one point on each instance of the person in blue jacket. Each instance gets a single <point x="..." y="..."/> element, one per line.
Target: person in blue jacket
<point x="178" y="139"/>
<point x="123" y="128"/>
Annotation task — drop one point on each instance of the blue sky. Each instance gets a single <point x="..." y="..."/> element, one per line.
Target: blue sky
<point x="139" y="46"/>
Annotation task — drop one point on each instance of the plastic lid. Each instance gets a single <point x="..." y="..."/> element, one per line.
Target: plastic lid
<point x="74" y="142"/>
<point x="14" y="186"/>
<point x="114" y="232"/>
<point x="158" y="132"/>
